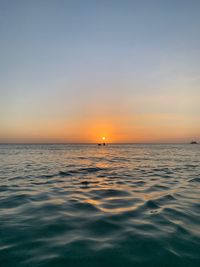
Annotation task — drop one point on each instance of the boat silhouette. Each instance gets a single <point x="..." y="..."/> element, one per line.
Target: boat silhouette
<point x="193" y="142"/>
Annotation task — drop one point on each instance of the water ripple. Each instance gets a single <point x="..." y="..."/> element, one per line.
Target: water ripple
<point x="131" y="205"/>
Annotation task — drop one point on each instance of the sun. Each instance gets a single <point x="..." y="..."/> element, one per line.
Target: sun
<point x="103" y="138"/>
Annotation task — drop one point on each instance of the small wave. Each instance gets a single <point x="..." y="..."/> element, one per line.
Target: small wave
<point x="191" y="166"/>
<point x="47" y="176"/>
<point x="109" y="193"/>
<point x="151" y="204"/>
<point x="91" y="169"/>
<point x="81" y="171"/>
<point x="157" y="187"/>
<point x="62" y="173"/>
<point x="196" y="179"/>
<point x="168" y="197"/>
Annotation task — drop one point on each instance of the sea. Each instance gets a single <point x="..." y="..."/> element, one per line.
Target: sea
<point x="121" y="205"/>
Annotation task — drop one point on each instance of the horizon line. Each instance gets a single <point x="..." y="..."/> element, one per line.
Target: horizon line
<point x="91" y="143"/>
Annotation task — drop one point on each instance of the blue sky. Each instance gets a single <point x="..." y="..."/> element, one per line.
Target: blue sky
<point x="69" y="65"/>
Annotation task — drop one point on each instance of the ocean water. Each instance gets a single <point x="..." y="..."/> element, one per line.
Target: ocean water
<point x="84" y="205"/>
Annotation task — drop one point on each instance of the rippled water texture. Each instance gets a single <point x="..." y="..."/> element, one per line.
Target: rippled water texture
<point x="84" y="205"/>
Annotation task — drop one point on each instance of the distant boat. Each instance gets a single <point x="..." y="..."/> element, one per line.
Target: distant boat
<point x="193" y="142"/>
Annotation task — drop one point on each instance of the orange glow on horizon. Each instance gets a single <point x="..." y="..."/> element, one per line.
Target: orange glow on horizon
<point x="95" y="129"/>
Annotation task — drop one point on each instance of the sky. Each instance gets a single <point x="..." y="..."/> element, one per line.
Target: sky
<point x="75" y="71"/>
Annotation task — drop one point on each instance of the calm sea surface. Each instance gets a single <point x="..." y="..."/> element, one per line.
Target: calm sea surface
<point x="84" y="205"/>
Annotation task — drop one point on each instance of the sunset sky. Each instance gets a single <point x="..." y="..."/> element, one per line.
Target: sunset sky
<point x="75" y="71"/>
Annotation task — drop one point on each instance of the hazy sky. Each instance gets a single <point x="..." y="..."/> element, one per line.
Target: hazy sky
<point x="78" y="70"/>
